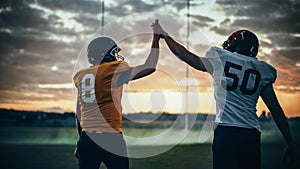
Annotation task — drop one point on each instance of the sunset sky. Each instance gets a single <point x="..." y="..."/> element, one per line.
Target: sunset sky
<point x="43" y="45"/>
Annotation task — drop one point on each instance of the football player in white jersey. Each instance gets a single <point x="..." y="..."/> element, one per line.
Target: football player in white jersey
<point x="239" y="78"/>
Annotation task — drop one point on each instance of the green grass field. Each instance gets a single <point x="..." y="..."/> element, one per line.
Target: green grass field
<point x="52" y="148"/>
<point x="197" y="156"/>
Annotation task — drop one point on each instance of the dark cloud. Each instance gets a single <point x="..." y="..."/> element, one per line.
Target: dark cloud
<point x="287" y="23"/>
<point x="292" y="55"/>
<point x="201" y="21"/>
<point x="225" y="31"/>
<point x="264" y="16"/>
<point x="202" y="18"/>
<point x="90" y="23"/>
<point x="17" y="14"/>
<point x="225" y="28"/>
<point x="126" y="7"/>
<point x="284" y="40"/>
<point x="78" y="6"/>
<point x="226" y="21"/>
<point x="266" y="44"/>
<point x="31" y="44"/>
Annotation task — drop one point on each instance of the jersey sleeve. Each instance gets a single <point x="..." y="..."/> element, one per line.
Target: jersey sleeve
<point x="269" y="73"/>
<point x="75" y="79"/>
<point x="212" y="56"/>
<point x="123" y="73"/>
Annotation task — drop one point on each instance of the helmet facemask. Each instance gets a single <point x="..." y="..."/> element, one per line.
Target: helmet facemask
<point x="115" y="53"/>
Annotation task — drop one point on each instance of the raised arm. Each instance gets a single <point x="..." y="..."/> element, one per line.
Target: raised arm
<point x="199" y="63"/>
<point x="148" y="67"/>
<point x="150" y="64"/>
<point x="269" y="97"/>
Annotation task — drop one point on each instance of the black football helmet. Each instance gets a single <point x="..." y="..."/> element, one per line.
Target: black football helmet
<point x="103" y="49"/>
<point x="243" y="42"/>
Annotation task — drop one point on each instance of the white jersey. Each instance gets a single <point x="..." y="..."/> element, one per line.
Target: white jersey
<point x="238" y="81"/>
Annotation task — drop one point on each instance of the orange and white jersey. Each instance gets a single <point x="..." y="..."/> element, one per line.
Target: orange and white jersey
<point x="99" y="96"/>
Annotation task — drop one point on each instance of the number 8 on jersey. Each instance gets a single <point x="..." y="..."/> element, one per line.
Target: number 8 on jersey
<point x="88" y="88"/>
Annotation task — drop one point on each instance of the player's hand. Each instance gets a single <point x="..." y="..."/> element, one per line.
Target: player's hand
<point x="289" y="157"/>
<point x="156" y="35"/>
<point x="158" y="30"/>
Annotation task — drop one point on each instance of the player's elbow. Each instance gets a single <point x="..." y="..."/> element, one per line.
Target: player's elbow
<point x="149" y="71"/>
<point x="144" y="73"/>
<point x="152" y="70"/>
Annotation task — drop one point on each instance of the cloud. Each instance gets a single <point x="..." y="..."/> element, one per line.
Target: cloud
<point x="77" y="6"/>
<point x="201" y="18"/>
<point x="264" y="16"/>
<point x="18" y="14"/>
<point x="225" y="31"/>
<point x="31" y="43"/>
<point x="288" y="40"/>
<point x="201" y="21"/>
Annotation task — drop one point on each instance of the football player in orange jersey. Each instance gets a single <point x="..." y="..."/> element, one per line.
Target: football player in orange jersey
<point x="239" y="78"/>
<point x="99" y="110"/>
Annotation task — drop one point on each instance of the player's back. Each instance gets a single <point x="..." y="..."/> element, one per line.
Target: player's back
<point x="99" y="96"/>
<point x="238" y="81"/>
